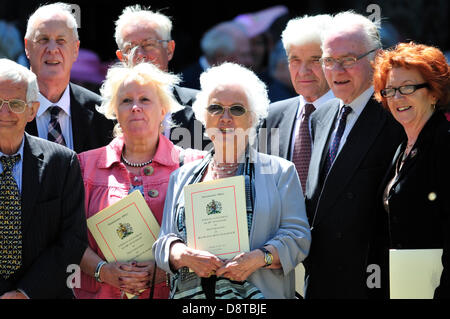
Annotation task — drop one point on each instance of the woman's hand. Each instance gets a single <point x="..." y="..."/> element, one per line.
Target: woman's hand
<point x="203" y="263"/>
<point x="128" y="277"/>
<point x="242" y="266"/>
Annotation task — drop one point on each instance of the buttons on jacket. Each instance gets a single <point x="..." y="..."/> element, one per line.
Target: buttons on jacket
<point x="148" y="170"/>
<point x="432" y="196"/>
<point x="153" y="193"/>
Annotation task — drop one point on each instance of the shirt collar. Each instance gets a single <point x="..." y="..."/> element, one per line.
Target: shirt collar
<point x="63" y="103"/>
<point x="360" y="102"/>
<point x="317" y="103"/>
<point x="114" y="151"/>
<point x="19" y="151"/>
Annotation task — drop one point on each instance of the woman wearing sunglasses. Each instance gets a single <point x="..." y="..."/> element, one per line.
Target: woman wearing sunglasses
<point x="230" y="104"/>
<point x="412" y="82"/>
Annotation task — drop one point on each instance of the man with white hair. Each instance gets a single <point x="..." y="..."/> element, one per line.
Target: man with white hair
<point x="145" y="35"/>
<point x="42" y="220"/>
<point x="287" y="125"/>
<point x="67" y="114"/>
<point x="354" y="142"/>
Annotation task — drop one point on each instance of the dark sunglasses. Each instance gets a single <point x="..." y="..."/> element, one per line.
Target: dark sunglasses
<point x="235" y="110"/>
<point x="404" y="90"/>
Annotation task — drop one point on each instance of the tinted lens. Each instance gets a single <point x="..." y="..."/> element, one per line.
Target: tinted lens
<point x="215" y="109"/>
<point x="237" y="110"/>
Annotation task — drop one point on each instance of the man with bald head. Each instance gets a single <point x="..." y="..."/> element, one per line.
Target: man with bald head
<point x="67" y="113"/>
<point x="354" y="142"/>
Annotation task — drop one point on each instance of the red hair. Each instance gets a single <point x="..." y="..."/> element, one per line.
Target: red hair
<point x="428" y="60"/>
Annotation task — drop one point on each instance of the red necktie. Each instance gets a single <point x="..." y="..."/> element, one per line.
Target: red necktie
<point x="302" y="146"/>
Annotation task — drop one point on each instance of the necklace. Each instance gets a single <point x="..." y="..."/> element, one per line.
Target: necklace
<point x="134" y="164"/>
<point x="223" y="170"/>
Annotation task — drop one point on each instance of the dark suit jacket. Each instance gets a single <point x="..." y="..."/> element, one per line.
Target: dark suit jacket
<point x="281" y="117"/>
<point x="416" y="220"/>
<point x="187" y="131"/>
<point x="342" y="213"/>
<point x="53" y="220"/>
<point x="90" y="128"/>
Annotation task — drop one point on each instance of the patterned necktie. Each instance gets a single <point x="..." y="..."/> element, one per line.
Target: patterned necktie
<point x="302" y="146"/>
<point x="54" y="129"/>
<point x="334" y="147"/>
<point x="10" y="219"/>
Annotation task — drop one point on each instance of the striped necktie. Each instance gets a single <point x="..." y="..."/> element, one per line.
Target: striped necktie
<point x="334" y="147"/>
<point x="54" y="129"/>
<point x="301" y="155"/>
<point x="10" y="219"/>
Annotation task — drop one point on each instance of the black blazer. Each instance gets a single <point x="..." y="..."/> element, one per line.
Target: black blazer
<point x="90" y="129"/>
<point x="53" y="220"/>
<point x="281" y="117"/>
<point x="185" y="119"/>
<point x="419" y="200"/>
<point x="342" y="212"/>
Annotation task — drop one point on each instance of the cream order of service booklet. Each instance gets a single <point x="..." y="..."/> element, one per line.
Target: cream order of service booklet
<point x="414" y="273"/>
<point x="216" y="217"/>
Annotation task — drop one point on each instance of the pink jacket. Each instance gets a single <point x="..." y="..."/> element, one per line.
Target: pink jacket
<point x="106" y="180"/>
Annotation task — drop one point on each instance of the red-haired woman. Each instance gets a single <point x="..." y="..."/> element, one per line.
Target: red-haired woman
<point x="412" y="82"/>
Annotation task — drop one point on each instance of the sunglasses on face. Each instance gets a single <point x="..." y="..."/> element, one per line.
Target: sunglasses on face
<point x="404" y="89"/>
<point x="235" y="110"/>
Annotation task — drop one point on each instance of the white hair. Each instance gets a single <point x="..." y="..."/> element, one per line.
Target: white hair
<point x="349" y="19"/>
<point x="232" y="74"/>
<point x="48" y="11"/>
<point x="18" y="74"/>
<point x="144" y="73"/>
<point x="135" y="14"/>
<point x="305" y="30"/>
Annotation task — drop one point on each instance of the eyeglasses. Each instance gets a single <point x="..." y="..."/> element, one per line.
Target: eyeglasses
<point x="146" y="45"/>
<point x="15" y="105"/>
<point x="235" y="110"/>
<point x="404" y="89"/>
<point x="345" y="62"/>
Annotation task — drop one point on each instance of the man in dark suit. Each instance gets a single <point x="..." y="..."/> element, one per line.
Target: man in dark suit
<point x="42" y="219"/>
<point x="67" y="113"/>
<point x="282" y="131"/>
<point x="144" y="35"/>
<point x="354" y="142"/>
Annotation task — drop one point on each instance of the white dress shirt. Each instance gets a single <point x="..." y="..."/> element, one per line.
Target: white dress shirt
<point x="357" y="105"/>
<point x="65" y="119"/>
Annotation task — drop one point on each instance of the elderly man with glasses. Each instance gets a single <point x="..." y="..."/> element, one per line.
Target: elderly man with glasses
<point x="354" y="140"/>
<point x="145" y="35"/>
<point x="42" y="225"/>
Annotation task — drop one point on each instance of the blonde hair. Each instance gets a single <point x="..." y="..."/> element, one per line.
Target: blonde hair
<point x="144" y="73"/>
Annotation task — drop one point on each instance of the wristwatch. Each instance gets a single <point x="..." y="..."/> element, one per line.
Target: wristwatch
<point x="97" y="270"/>
<point x="268" y="257"/>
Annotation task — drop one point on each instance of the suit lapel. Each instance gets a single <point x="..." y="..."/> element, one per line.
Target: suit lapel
<point x="321" y="133"/>
<point x="32" y="174"/>
<point x="81" y="119"/>
<point x="358" y="143"/>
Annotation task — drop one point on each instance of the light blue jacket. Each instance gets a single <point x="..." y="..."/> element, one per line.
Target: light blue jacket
<point x="279" y="219"/>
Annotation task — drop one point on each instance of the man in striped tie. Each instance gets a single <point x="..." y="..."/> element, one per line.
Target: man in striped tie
<point x="67" y="113"/>
<point x="354" y="142"/>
